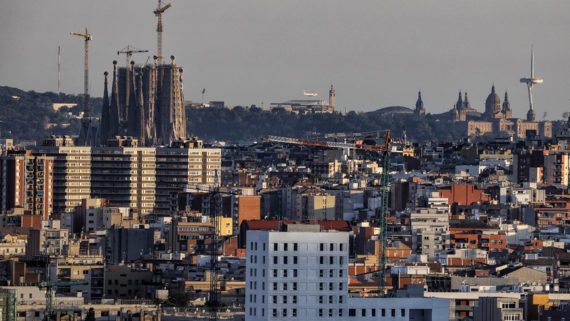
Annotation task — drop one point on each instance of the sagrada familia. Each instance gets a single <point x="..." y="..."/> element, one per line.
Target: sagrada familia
<point x="146" y="103"/>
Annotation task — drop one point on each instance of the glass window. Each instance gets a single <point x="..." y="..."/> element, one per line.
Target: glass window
<point x="295" y="246"/>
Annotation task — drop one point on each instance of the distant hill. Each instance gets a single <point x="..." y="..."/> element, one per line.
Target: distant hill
<point x="28" y="115"/>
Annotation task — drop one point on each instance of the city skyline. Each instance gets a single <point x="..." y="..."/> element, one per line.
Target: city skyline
<point x="376" y="54"/>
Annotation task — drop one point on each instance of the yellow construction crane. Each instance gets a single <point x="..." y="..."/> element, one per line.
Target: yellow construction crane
<point x="158" y="12"/>
<point x="86" y="117"/>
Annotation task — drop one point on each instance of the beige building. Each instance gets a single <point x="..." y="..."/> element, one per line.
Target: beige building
<point x="13" y="245"/>
<point x="140" y="178"/>
<point x="496" y="120"/>
<point x="430" y="227"/>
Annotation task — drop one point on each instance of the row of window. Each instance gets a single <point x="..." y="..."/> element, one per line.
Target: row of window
<point x="331" y="260"/>
<point x="331" y="312"/>
<point x="285" y="247"/>
<point x="285" y="260"/>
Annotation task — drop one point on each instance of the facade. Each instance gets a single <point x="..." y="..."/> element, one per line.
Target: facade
<point x="497" y="119"/>
<point x="430" y="228"/>
<point x="140" y="178"/>
<point x="146" y="102"/>
<point x="26" y="182"/>
<point x="304" y="275"/>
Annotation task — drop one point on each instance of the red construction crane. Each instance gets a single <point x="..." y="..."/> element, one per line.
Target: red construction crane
<point x="383" y="148"/>
<point x="158" y="12"/>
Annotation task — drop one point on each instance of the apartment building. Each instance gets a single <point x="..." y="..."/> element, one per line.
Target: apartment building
<point x="430" y="230"/>
<point x="26" y="182"/>
<point x="140" y="178"/>
<point x="303" y="274"/>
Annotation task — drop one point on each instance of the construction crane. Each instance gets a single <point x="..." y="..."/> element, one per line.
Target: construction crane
<point x="86" y="120"/>
<point x="215" y="215"/>
<point x="129" y="51"/>
<point x="381" y="216"/>
<point x="158" y="12"/>
<point x="49" y="286"/>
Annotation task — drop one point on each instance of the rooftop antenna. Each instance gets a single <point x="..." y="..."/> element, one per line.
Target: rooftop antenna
<point x="530" y="116"/>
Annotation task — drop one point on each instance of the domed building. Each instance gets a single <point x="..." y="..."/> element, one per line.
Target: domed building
<point x="493" y="106"/>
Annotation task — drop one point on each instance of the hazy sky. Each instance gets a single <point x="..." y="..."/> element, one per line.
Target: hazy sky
<point x="376" y="52"/>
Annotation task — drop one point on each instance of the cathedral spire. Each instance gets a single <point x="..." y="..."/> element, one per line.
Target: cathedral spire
<point x="459" y="102"/>
<point x="114" y="107"/>
<point x="419" y="102"/>
<point x="466" y="104"/>
<point x="105" y="112"/>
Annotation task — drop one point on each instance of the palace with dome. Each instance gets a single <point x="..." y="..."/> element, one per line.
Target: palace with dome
<point x="497" y="120"/>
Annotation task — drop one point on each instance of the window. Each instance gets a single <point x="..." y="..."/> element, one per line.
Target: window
<point x="284" y="286"/>
<point x="393" y="312"/>
<point x="284" y="260"/>
<point x="284" y="273"/>
<point x="294" y="312"/>
<point x="274" y="298"/>
<point x="321" y="286"/>
<point x="331" y="247"/>
<point x="320" y="312"/>
<point x="285" y="247"/>
<point x="275" y="260"/>
<point x="340" y="312"/>
<point x="403" y="312"/>
<point x="264" y="246"/>
<point x="363" y="312"/>
<point x="331" y="273"/>
<point x="383" y="312"/>
<point x="284" y="299"/>
<point x="340" y="286"/>
<point x="330" y="299"/>
<point x="263" y="259"/>
<point x="330" y="286"/>
<point x="294" y="286"/>
<point x="284" y="312"/>
<point x="340" y="299"/>
<point x="340" y="273"/>
<point x="373" y="311"/>
<point x="322" y="247"/>
<point x="274" y="273"/>
<point x="340" y="260"/>
<point x="295" y="246"/>
<point x="294" y="299"/>
<point x="321" y="299"/>
<point x="331" y="260"/>
<point x="274" y="312"/>
<point x="330" y="313"/>
<point x="295" y="260"/>
<point x="351" y="312"/>
<point x="341" y="247"/>
<point x="263" y="309"/>
<point x="275" y="247"/>
<point x="295" y="273"/>
<point x="321" y="273"/>
<point x="322" y="260"/>
<point x="274" y="286"/>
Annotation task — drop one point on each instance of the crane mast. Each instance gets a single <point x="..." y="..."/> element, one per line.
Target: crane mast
<point x="84" y="137"/>
<point x="129" y="51"/>
<point x="384" y="149"/>
<point x="158" y="13"/>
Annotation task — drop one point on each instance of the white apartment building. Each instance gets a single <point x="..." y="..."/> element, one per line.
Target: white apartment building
<point x="302" y="274"/>
<point x="430" y="228"/>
